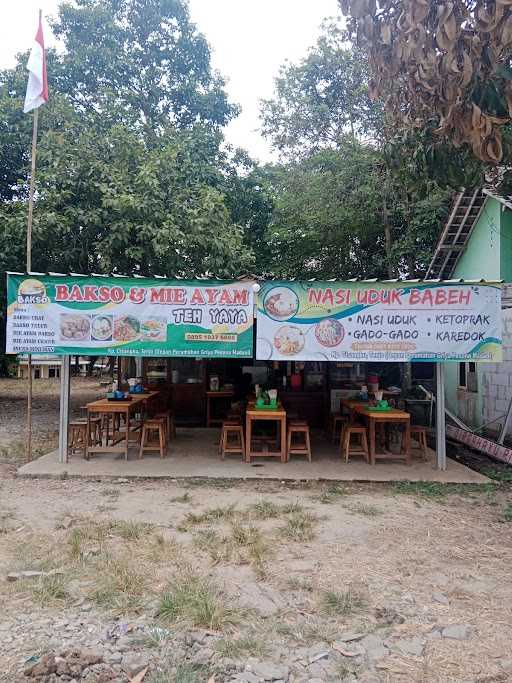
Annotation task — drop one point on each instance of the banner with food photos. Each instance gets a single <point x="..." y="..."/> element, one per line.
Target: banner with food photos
<point x="100" y="316"/>
<point x="379" y="321"/>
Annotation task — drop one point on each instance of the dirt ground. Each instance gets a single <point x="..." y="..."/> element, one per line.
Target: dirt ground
<point x="45" y="413"/>
<point x="183" y="581"/>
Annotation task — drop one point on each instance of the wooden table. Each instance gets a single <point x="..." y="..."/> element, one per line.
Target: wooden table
<point x="278" y="415"/>
<point x="392" y="416"/>
<point x="120" y="440"/>
<point x="222" y="393"/>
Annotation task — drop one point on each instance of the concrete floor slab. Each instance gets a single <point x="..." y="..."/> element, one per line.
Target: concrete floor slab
<point x="194" y="454"/>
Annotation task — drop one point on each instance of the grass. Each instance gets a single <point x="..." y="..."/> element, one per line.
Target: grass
<point x="112" y="493"/>
<point x="507" y="513"/>
<point x="49" y="590"/>
<point x="243" y="544"/>
<point x="266" y="509"/>
<point x="120" y="587"/>
<point x="436" y="491"/>
<point x="252" y="547"/>
<point x="194" y="600"/>
<point x="299" y="527"/>
<point x="208" y="516"/>
<point x="182" y="673"/>
<point x="341" y="603"/>
<point x="130" y="530"/>
<point x="214" y="544"/>
<point x="185" y="498"/>
<point x="502" y="475"/>
<point x="365" y="509"/>
<point x="298" y="583"/>
<point x="239" y="648"/>
<point x="330" y="494"/>
<point x="6" y="518"/>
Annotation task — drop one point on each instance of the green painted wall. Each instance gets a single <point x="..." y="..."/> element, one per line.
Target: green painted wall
<point x="506" y="245"/>
<point x="488" y="255"/>
<point x="482" y="256"/>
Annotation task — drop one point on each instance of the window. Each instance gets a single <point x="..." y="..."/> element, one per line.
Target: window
<point x="462" y="375"/>
<point x="468" y="377"/>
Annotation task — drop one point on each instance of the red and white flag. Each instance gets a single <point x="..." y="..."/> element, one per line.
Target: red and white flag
<point x="37" y="88"/>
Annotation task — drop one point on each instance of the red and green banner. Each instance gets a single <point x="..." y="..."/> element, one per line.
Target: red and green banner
<point x="100" y="316"/>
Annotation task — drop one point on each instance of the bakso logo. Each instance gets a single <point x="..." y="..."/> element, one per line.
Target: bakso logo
<point x="32" y="292"/>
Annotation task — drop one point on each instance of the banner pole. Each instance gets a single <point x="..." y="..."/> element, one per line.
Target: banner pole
<point x="440" y="418"/>
<point x="29" y="269"/>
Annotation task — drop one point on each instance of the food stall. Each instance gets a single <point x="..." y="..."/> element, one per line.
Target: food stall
<point x="316" y="342"/>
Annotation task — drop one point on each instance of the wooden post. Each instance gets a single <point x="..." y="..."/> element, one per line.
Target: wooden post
<point x="64" y="409"/>
<point x="440" y="418"/>
<point x="29" y="268"/>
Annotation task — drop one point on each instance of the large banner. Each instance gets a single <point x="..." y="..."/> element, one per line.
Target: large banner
<point x="355" y="321"/>
<point x="99" y="316"/>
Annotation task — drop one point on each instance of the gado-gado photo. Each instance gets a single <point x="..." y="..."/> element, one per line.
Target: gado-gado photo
<point x="75" y="327"/>
<point x="329" y="332"/>
<point x="289" y="340"/>
<point x="154" y="328"/>
<point x="126" y="328"/>
<point x="102" y="328"/>
<point x="281" y="303"/>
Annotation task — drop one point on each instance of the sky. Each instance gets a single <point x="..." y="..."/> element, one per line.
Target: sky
<point x="250" y="40"/>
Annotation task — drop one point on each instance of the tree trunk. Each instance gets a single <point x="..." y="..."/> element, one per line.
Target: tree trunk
<point x="387" y="229"/>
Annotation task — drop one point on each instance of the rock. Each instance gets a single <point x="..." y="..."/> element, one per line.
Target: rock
<point x="121" y="480"/>
<point x="506" y="664"/>
<point x="44" y="667"/>
<point x="263" y="598"/>
<point x="27" y="574"/>
<point x="351" y="649"/>
<point x="316" y="680"/>
<point x="268" y="671"/>
<point x="114" y="658"/>
<point x="457" y="631"/>
<point x="203" y="656"/>
<point x="389" y="615"/>
<point x="410" y="646"/>
<point x="132" y="664"/>
<point x="90" y="657"/>
<point x="374" y="646"/>
<point x="247" y="677"/>
<point x="348" y="636"/>
<point x="323" y="654"/>
<point x="441" y="598"/>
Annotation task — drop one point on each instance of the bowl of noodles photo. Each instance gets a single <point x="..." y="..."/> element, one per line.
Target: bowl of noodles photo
<point x="154" y="329"/>
<point x="102" y="327"/>
<point x="281" y="303"/>
<point x="126" y="328"/>
<point x="75" y="327"/>
<point x="289" y="340"/>
<point x="329" y="332"/>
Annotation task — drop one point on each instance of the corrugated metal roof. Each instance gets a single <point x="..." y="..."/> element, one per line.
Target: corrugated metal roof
<point x="255" y="278"/>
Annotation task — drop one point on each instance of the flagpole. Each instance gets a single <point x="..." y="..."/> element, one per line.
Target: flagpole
<point x="29" y="267"/>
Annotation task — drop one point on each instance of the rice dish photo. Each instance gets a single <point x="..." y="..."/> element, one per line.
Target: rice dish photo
<point x="154" y="329"/>
<point x="126" y="328"/>
<point x="102" y="327"/>
<point x="74" y="327"/>
<point x="329" y="332"/>
<point x="281" y="303"/>
<point x="289" y="340"/>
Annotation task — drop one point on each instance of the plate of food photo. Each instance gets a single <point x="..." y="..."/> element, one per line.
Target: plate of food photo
<point x="281" y="303"/>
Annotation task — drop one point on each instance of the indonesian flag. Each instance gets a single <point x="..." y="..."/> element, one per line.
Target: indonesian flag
<point x="37" y="88"/>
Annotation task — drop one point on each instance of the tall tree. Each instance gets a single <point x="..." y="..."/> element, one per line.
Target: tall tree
<point x="142" y="62"/>
<point x="401" y="170"/>
<point x="321" y="99"/>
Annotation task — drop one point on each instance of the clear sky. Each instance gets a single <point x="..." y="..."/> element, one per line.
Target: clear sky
<point x="249" y="39"/>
